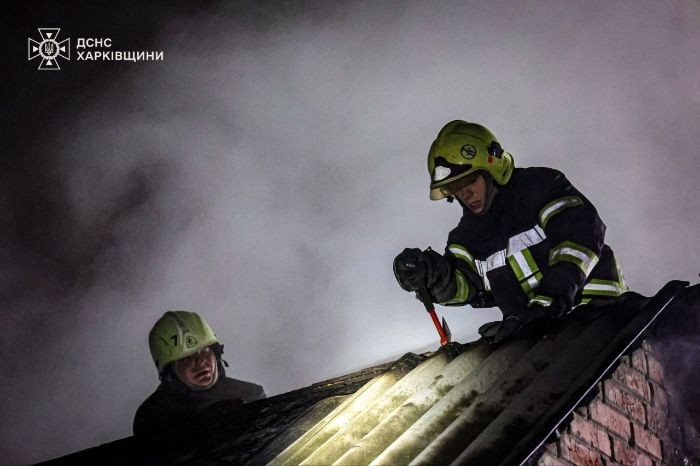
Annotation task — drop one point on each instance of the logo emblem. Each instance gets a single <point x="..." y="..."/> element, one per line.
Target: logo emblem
<point x="468" y="151"/>
<point x="190" y="341"/>
<point x="49" y="49"/>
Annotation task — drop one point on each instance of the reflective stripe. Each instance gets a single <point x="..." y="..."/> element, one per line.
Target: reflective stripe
<point x="462" y="293"/>
<point x="526" y="239"/>
<point x="602" y="288"/>
<point x="494" y="261"/>
<point x="523" y="264"/>
<point x="526" y="270"/>
<point x="621" y="278"/>
<point x="517" y="263"/>
<point x="531" y="283"/>
<point x="557" y="206"/>
<point x="545" y="301"/>
<point x="572" y="252"/>
<point x="461" y="252"/>
<point x="516" y="244"/>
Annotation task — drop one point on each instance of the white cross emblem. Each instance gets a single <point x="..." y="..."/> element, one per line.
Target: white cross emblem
<point x="49" y="49"/>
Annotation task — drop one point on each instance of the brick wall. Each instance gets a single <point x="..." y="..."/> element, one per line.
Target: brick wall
<point x="629" y="422"/>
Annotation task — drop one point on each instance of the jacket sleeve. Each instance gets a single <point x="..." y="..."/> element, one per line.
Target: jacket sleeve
<point x="572" y="224"/>
<point x="459" y="282"/>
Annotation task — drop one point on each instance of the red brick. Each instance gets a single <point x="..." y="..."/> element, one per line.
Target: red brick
<point x="610" y="419"/>
<point x="578" y="453"/>
<point x="639" y="361"/>
<point x="656" y="371"/>
<point x="633" y="380"/>
<point x="625" y="401"/>
<point x="657" y="420"/>
<point x="647" y="441"/>
<point x="624" y="454"/>
<point x="590" y="434"/>
<point x="549" y="460"/>
<point x="582" y="410"/>
<point x="658" y="397"/>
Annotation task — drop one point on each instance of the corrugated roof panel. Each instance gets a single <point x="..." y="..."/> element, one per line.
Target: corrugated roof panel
<point x="487" y="405"/>
<point x="485" y="401"/>
<point x="361" y="424"/>
<point x="340" y="416"/>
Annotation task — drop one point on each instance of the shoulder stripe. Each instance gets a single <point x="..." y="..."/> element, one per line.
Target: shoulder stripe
<point x="556" y="206"/>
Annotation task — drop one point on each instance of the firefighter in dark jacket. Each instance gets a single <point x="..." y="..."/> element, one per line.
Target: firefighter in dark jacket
<point x="187" y="355"/>
<point x="528" y="241"/>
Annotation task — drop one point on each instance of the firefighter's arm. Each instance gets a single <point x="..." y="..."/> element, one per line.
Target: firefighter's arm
<point x="464" y="286"/>
<point x="448" y="281"/>
<point x="577" y="236"/>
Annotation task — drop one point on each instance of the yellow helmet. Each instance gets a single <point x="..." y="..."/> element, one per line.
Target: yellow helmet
<point x="176" y="335"/>
<point x="462" y="148"/>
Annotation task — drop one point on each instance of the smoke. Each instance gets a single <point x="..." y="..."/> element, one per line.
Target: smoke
<point x="267" y="172"/>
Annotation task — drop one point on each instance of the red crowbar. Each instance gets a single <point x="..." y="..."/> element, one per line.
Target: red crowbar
<point x="442" y="329"/>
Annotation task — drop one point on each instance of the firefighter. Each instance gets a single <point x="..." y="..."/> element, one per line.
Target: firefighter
<point x="528" y="242"/>
<point x="187" y="355"/>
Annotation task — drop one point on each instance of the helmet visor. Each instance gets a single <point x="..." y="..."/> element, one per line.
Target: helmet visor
<point x="457" y="185"/>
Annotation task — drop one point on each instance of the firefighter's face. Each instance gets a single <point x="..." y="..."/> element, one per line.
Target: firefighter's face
<point x="471" y="190"/>
<point x="198" y="370"/>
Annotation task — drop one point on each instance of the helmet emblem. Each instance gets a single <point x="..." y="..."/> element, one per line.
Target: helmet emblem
<point x="468" y="151"/>
<point x="441" y="173"/>
<point x="190" y="341"/>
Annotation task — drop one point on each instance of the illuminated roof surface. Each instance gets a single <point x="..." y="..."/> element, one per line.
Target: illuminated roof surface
<point x="473" y="404"/>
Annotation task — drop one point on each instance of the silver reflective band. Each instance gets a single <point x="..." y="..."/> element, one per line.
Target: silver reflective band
<point x="557" y="206"/>
<point x="531" y="282"/>
<point x="524" y="265"/>
<point x="516" y="244"/>
<point x="526" y="239"/>
<point x="599" y="287"/>
<point x="460" y="252"/>
<point x="572" y="252"/>
<point x="541" y="300"/>
<point x="462" y="293"/>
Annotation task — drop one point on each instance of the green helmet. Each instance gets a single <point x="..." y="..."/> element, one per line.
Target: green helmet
<point x="462" y="148"/>
<point x="176" y="335"/>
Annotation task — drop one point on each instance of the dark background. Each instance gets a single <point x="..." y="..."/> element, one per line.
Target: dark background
<point x="268" y="170"/>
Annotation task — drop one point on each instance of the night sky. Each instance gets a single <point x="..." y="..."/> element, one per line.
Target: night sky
<point x="266" y="173"/>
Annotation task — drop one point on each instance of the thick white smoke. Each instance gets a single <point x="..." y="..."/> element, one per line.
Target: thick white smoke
<point x="266" y="175"/>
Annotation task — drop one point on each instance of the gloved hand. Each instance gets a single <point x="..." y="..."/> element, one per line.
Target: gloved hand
<point x="502" y="329"/>
<point x="410" y="269"/>
<point x="557" y="291"/>
<point x="415" y="269"/>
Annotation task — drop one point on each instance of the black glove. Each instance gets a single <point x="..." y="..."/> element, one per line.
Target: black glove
<point x="557" y="291"/>
<point x="410" y="269"/>
<point x="415" y="269"/>
<point x="502" y="329"/>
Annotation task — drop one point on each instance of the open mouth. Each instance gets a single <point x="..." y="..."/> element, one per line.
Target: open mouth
<point x="474" y="205"/>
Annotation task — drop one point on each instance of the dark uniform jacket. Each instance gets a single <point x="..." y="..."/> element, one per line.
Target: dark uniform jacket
<point x="538" y="225"/>
<point x="174" y="410"/>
